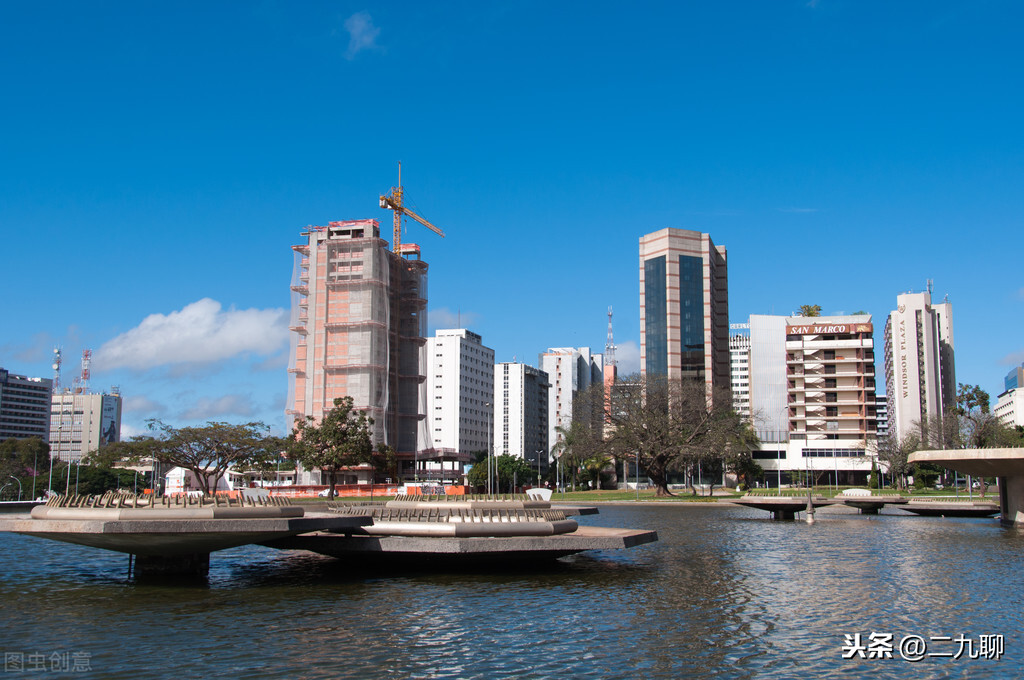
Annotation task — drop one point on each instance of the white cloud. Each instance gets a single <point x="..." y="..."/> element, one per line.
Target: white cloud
<point x="199" y="333"/>
<point x="144" y="405"/>
<point x="627" y="358"/>
<point x="128" y="431"/>
<point x="446" y="318"/>
<point x="362" y="33"/>
<point x="228" y="405"/>
<point x="798" y="210"/>
<point x="1013" y="359"/>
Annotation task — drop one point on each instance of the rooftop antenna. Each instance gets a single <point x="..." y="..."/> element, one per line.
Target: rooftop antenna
<point x="56" y="369"/>
<point x="609" y="347"/>
<point x="929" y="286"/>
<point x="86" y="372"/>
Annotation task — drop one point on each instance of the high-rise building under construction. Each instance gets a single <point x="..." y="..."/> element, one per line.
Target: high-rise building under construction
<point x="358" y="322"/>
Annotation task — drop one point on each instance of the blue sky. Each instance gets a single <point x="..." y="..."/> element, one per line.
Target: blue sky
<point x="157" y="160"/>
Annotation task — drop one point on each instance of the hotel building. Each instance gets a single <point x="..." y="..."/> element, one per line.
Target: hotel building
<point x="812" y="385"/>
<point x="920" y="378"/>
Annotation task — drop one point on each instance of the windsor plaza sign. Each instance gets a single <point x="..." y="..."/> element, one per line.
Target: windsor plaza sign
<point x="829" y="329"/>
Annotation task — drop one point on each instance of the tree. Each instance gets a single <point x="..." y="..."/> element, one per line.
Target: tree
<point x="340" y="440"/>
<point x="384" y="462"/>
<point x="810" y="310"/>
<point x="672" y="426"/>
<point x="510" y="471"/>
<point x="895" y="452"/>
<point x="207" y="451"/>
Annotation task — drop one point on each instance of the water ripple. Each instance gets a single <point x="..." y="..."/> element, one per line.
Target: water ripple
<point x="725" y="593"/>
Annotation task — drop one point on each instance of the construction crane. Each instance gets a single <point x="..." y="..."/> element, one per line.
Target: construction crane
<point x="393" y="201"/>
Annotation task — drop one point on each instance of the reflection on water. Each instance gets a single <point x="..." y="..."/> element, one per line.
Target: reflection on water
<point x="724" y="593"/>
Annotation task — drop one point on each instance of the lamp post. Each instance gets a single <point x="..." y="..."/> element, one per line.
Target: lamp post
<point x="19" y="486"/>
<point x="538" y="467"/>
<point x="487" y="407"/>
<point x="638" y="475"/>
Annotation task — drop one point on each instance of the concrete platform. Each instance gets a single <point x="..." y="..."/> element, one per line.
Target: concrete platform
<point x="870" y="505"/>
<point x="783" y="507"/>
<point x="8" y="507"/>
<point x="1005" y="464"/>
<point x="952" y="509"/>
<point x="418" y="551"/>
<point x="169" y="537"/>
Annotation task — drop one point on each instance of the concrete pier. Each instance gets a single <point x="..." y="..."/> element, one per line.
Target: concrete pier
<point x="1006" y="465"/>
<point x="410" y="551"/>
<point x="783" y="507"/>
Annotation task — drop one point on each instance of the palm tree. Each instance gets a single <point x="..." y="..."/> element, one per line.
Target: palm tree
<point x="810" y="310"/>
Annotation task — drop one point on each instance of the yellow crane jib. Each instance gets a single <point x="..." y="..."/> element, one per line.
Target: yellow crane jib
<point x="393" y="202"/>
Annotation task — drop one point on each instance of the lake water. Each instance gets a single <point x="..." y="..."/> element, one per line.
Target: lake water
<point x="724" y="593"/>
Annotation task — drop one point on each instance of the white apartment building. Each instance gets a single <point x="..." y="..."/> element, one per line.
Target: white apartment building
<point x="920" y="378"/>
<point x="459" y="396"/>
<point x="521" y="413"/>
<point x="882" y="415"/>
<point x="739" y="368"/>
<point x="80" y="423"/>
<point x="1009" y="407"/>
<point x="570" y="370"/>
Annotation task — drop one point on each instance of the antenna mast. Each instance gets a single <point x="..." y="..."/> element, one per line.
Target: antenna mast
<point x="56" y="370"/>
<point x="609" y="347"/>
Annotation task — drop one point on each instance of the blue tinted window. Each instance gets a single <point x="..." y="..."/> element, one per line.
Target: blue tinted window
<point x="655" y="320"/>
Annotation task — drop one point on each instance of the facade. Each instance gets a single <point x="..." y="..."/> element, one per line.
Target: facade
<point x="812" y="396"/>
<point x="768" y="378"/>
<point x="358" y="322"/>
<point x="920" y="378"/>
<point x="882" y="415"/>
<point x="570" y="370"/>
<point x="739" y="369"/>
<point x="684" y="307"/>
<point x="24" y="406"/>
<point x="521" y="413"/>
<point x="1009" y="408"/>
<point x="80" y="423"/>
<point x="830" y="362"/>
<point x="460" y="392"/>
<point x="1014" y="379"/>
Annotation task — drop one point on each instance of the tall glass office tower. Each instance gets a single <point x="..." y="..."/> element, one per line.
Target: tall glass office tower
<point x="684" y="307"/>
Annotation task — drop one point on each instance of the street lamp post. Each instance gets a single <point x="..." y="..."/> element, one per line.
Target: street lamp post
<point x="487" y="407"/>
<point x="538" y="467"/>
<point x="638" y="474"/>
<point x="19" y="486"/>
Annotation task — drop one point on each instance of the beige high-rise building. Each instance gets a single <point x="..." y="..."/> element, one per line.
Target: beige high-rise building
<point x="920" y="377"/>
<point x="831" y="371"/>
<point x="684" y="307"/>
<point x="80" y="423"/>
<point x="359" y="321"/>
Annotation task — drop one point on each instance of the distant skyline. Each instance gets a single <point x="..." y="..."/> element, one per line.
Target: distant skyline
<point x="159" y="160"/>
